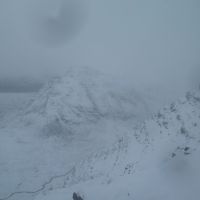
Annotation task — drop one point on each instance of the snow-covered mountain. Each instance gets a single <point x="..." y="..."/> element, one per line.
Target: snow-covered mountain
<point x="81" y="97"/>
<point x="110" y="157"/>
<point x="160" y="161"/>
<point x="84" y="112"/>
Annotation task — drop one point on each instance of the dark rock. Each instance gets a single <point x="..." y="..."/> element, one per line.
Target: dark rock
<point x="77" y="196"/>
<point x="186" y="148"/>
<point x="173" y="155"/>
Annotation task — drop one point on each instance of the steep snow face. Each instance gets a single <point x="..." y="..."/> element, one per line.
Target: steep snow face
<point x="165" y="141"/>
<point x="160" y="162"/>
<point x="83" y="96"/>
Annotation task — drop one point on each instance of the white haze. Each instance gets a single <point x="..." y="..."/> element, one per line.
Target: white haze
<point x="143" y="42"/>
<point x="94" y="129"/>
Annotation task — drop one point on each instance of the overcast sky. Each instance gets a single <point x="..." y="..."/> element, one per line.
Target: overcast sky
<point x="142" y="41"/>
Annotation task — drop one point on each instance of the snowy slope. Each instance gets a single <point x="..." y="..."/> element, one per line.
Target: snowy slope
<point x="108" y="157"/>
<point x="84" y="112"/>
<point x="83" y="96"/>
<point x="161" y="162"/>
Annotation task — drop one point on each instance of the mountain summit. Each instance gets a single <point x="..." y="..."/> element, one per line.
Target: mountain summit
<point x="83" y="96"/>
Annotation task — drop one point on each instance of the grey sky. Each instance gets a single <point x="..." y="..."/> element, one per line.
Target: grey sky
<point x="142" y="41"/>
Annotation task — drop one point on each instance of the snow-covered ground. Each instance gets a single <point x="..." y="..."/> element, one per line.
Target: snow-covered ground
<point x="162" y="164"/>
<point x="85" y="133"/>
<point x="72" y="117"/>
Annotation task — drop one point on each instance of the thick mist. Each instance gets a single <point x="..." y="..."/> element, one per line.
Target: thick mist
<point x="143" y="42"/>
<point x="98" y="99"/>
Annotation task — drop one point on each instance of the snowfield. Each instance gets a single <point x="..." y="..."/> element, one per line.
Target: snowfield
<point x="161" y="161"/>
<point x="86" y="133"/>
